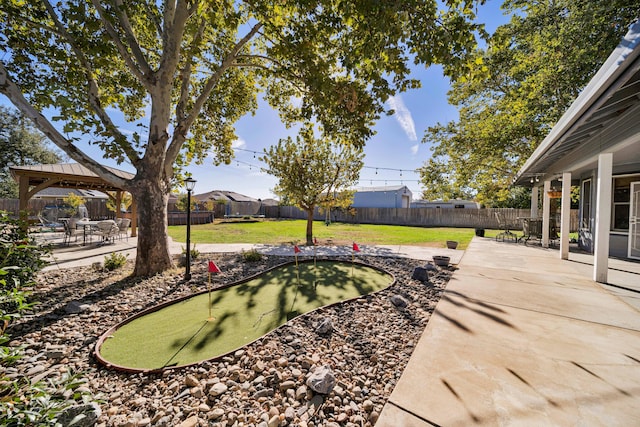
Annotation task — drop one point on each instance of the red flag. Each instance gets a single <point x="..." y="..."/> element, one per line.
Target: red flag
<point x="355" y="247"/>
<point x="213" y="268"/>
<point x="296" y="249"/>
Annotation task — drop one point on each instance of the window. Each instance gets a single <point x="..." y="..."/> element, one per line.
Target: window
<point x="621" y="200"/>
<point x="585" y="213"/>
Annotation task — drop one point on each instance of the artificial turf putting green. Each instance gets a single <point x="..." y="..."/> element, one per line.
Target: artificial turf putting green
<point x="179" y="334"/>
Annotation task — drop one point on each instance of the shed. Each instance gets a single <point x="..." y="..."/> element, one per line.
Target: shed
<point x="398" y="196"/>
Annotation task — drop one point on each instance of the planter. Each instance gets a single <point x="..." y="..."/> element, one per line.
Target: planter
<point x="452" y="244"/>
<point x="480" y="232"/>
<point x="554" y="194"/>
<point x="441" y="260"/>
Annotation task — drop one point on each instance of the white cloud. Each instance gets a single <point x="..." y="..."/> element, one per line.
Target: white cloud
<point x="403" y="116"/>
<point x="414" y="149"/>
<point x="239" y="143"/>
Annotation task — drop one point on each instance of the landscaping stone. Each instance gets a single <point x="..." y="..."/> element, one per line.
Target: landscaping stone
<point x="398" y="301"/>
<point x="322" y="380"/>
<point x="325" y="326"/>
<point x="420" y="273"/>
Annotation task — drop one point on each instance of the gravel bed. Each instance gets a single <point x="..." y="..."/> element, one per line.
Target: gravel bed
<point x="266" y="383"/>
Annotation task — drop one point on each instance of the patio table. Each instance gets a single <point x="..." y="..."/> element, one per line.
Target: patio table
<point x="86" y="229"/>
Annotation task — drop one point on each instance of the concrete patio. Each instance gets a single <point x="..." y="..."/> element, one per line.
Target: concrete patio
<point x="523" y="338"/>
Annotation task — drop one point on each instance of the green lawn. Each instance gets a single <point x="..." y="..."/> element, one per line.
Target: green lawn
<point x="180" y="333"/>
<point x="275" y="232"/>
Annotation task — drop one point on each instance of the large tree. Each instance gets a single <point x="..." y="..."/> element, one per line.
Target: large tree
<point x="198" y="65"/>
<point x="20" y="145"/>
<point x="314" y="172"/>
<point x="514" y="90"/>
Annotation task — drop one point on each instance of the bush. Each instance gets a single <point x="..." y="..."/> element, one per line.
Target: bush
<point x="22" y="402"/>
<point x="18" y="249"/>
<point x="194" y="253"/>
<point x="251" y="256"/>
<point x="114" y="261"/>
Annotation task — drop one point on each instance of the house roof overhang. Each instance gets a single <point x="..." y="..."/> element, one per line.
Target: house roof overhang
<point x="604" y="118"/>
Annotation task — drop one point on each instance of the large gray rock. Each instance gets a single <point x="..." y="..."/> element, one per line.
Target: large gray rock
<point x="322" y="380"/>
<point x="421" y="274"/>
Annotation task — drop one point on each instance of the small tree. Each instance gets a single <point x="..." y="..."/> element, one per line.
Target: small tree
<point x="181" y="203"/>
<point x="314" y="172"/>
<point x="75" y="201"/>
<point x="125" y="201"/>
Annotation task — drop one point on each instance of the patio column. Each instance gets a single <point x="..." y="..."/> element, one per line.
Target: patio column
<point x="534" y="201"/>
<point x="565" y="215"/>
<point x="546" y="210"/>
<point x="603" y="218"/>
<point x="23" y="203"/>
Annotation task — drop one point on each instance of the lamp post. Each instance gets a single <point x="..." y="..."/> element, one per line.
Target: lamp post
<point x="190" y="183"/>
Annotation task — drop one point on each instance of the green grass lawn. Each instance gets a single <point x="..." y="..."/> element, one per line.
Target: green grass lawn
<point x="275" y="232"/>
<point x="180" y="334"/>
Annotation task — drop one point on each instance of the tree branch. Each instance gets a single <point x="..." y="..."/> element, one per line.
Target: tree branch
<point x="186" y="72"/>
<point x="139" y="73"/>
<point x="131" y="38"/>
<point x="13" y="92"/>
<point x="93" y="93"/>
<point x="184" y="124"/>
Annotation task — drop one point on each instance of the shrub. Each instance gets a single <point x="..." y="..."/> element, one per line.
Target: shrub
<point x="23" y="402"/>
<point x="114" y="261"/>
<point x="251" y="256"/>
<point x="194" y="253"/>
<point x="18" y="249"/>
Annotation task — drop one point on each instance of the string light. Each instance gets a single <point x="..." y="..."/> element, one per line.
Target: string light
<point x="375" y="168"/>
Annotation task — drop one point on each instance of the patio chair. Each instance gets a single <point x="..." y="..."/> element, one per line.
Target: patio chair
<point x="532" y="228"/>
<point x="70" y="230"/>
<point x="506" y="228"/>
<point x="108" y="230"/>
<point x="123" y="228"/>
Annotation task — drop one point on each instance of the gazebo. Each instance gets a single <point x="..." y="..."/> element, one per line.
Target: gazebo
<point x="34" y="178"/>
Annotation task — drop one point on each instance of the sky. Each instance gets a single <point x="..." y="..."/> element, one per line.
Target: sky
<point x="391" y="156"/>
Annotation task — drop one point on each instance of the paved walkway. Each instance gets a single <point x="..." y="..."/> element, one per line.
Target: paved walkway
<point x="76" y="255"/>
<point x="521" y="338"/>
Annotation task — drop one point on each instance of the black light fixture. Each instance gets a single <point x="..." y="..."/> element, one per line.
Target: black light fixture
<point x="190" y="184"/>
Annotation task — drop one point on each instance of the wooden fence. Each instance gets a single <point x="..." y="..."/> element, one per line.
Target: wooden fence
<point x="420" y="217"/>
<point x="97" y="208"/>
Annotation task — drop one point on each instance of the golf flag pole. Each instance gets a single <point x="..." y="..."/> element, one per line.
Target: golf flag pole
<point x="296" y="250"/>
<point x="213" y="268"/>
<point x="353" y="254"/>
<point x="315" y="267"/>
<point x="315" y="243"/>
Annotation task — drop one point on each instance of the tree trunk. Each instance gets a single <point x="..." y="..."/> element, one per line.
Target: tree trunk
<point x="153" y="254"/>
<point x="310" y="227"/>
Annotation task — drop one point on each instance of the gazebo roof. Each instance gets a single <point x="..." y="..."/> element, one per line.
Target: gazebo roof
<point x="66" y="175"/>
